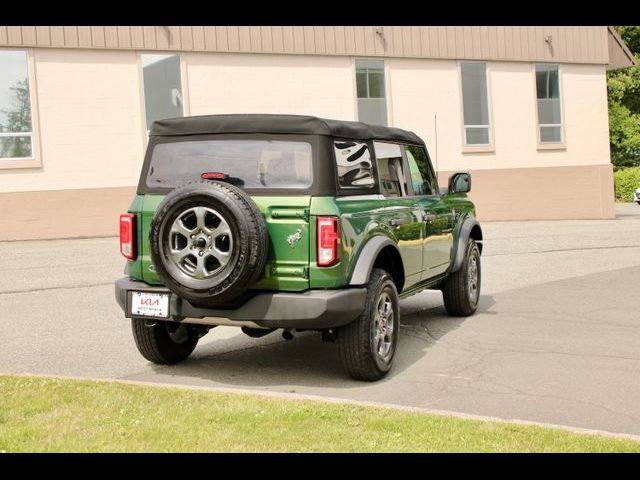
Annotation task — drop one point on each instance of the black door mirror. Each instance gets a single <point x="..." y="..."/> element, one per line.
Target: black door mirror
<point x="460" y="183"/>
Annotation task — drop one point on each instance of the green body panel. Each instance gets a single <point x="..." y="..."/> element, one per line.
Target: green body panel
<point x="287" y="263"/>
<point x="362" y="217"/>
<point x="427" y="248"/>
<point x="462" y="209"/>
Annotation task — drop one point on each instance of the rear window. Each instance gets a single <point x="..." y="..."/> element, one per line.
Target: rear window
<point x="251" y="164"/>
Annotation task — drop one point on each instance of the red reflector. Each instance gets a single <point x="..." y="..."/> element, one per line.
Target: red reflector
<point x="214" y="176"/>
<point x="127" y="235"/>
<point x="328" y="233"/>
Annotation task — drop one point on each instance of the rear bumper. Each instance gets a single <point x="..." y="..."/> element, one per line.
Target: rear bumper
<point x="311" y="309"/>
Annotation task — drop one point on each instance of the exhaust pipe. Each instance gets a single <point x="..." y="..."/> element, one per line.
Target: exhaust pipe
<point x="256" y="332"/>
<point x="287" y="335"/>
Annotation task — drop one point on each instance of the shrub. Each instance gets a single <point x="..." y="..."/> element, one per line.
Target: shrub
<point x="626" y="181"/>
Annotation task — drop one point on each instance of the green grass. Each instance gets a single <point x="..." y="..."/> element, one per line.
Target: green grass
<point x="53" y="415"/>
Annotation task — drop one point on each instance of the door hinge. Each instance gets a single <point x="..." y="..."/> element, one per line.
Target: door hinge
<point x="305" y="272"/>
<point x="305" y="215"/>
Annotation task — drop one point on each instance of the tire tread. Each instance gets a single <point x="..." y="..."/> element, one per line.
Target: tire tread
<point x="454" y="288"/>
<point x="353" y="338"/>
<point x="155" y="345"/>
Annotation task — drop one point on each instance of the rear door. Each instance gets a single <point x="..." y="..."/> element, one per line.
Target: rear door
<point x="400" y="213"/>
<point x="436" y="215"/>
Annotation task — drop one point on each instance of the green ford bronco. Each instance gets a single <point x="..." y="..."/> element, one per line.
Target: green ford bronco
<point x="291" y="222"/>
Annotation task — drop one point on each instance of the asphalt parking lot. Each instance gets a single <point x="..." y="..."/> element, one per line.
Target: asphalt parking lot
<point x="556" y="338"/>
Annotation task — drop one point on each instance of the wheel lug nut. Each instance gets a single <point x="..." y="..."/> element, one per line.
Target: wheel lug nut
<point x="193" y="236"/>
<point x="200" y="253"/>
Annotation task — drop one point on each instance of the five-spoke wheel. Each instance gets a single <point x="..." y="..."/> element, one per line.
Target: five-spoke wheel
<point x="200" y="242"/>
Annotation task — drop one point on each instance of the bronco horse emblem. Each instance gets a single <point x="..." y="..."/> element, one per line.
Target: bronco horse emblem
<point x="294" y="238"/>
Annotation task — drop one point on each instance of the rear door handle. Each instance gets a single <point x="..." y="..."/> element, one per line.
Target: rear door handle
<point x="396" y="222"/>
<point x="429" y="217"/>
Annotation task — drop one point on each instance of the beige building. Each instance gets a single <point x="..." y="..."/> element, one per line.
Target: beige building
<point x="524" y="109"/>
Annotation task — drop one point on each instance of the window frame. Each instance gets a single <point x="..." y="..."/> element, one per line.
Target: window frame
<point x="186" y="107"/>
<point x="387" y="88"/>
<point x="432" y="170"/>
<point x="35" y="161"/>
<point x="366" y="69"/>
<point x="407" y="173"/>
<point x="324" y="179"/>
<point x="357" y="190"/>
<point x="405" y="167"/>
<point x="471" y="147"/>
<point x="562" y="144"/>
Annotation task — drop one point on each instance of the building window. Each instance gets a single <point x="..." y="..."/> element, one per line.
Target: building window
<point x="162" y="87"/>
<point x="475" y="104"/>
<point x="548" y="99"/>
<point x="353" y="161"/>
<point x="372" y="101"/>
<point x="16" y="130"/>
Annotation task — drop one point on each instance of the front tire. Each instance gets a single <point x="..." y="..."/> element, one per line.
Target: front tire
<point x="367" y="345"/>
<point x="461" y="289"/>
<point x="164" y="343"/>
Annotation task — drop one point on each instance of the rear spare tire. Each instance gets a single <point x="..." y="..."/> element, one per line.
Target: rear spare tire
<point x="209" y="242"/>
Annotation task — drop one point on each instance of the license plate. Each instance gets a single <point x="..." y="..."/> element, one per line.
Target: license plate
<point x="147" y="304"/>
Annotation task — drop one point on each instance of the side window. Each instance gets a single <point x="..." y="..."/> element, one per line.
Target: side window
<point x="353" y="161"/>
<point x="549" y="106"/>
<point x="475" y="104"/>
<point x="16" y="131"/>
<point x="390" y="170"/>
<point x="422" y="178"/>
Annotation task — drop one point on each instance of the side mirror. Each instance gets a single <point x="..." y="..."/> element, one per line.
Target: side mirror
<point x="460" y="183"/>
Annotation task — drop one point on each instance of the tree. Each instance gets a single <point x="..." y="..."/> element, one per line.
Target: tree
<point x="18" y="119"/>
<point x="623" y="87"/>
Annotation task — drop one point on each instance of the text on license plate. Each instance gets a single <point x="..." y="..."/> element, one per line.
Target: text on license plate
<point x="150" y="304"/>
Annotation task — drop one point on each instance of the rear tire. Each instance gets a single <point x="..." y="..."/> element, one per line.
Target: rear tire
<point x="461" y="289"/>
<point x="164" y="343"/>
<point x="368" y="344"/>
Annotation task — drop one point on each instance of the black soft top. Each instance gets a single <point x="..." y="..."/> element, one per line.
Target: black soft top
<point x="283" y="124"/>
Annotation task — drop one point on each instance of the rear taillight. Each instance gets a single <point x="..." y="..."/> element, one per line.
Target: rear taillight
<point x="128" y="235"/>
<point x="328" y="241"/>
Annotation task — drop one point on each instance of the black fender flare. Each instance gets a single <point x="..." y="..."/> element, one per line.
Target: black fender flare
<point x="367" y="257"/>
<point x="468" y="225"/>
